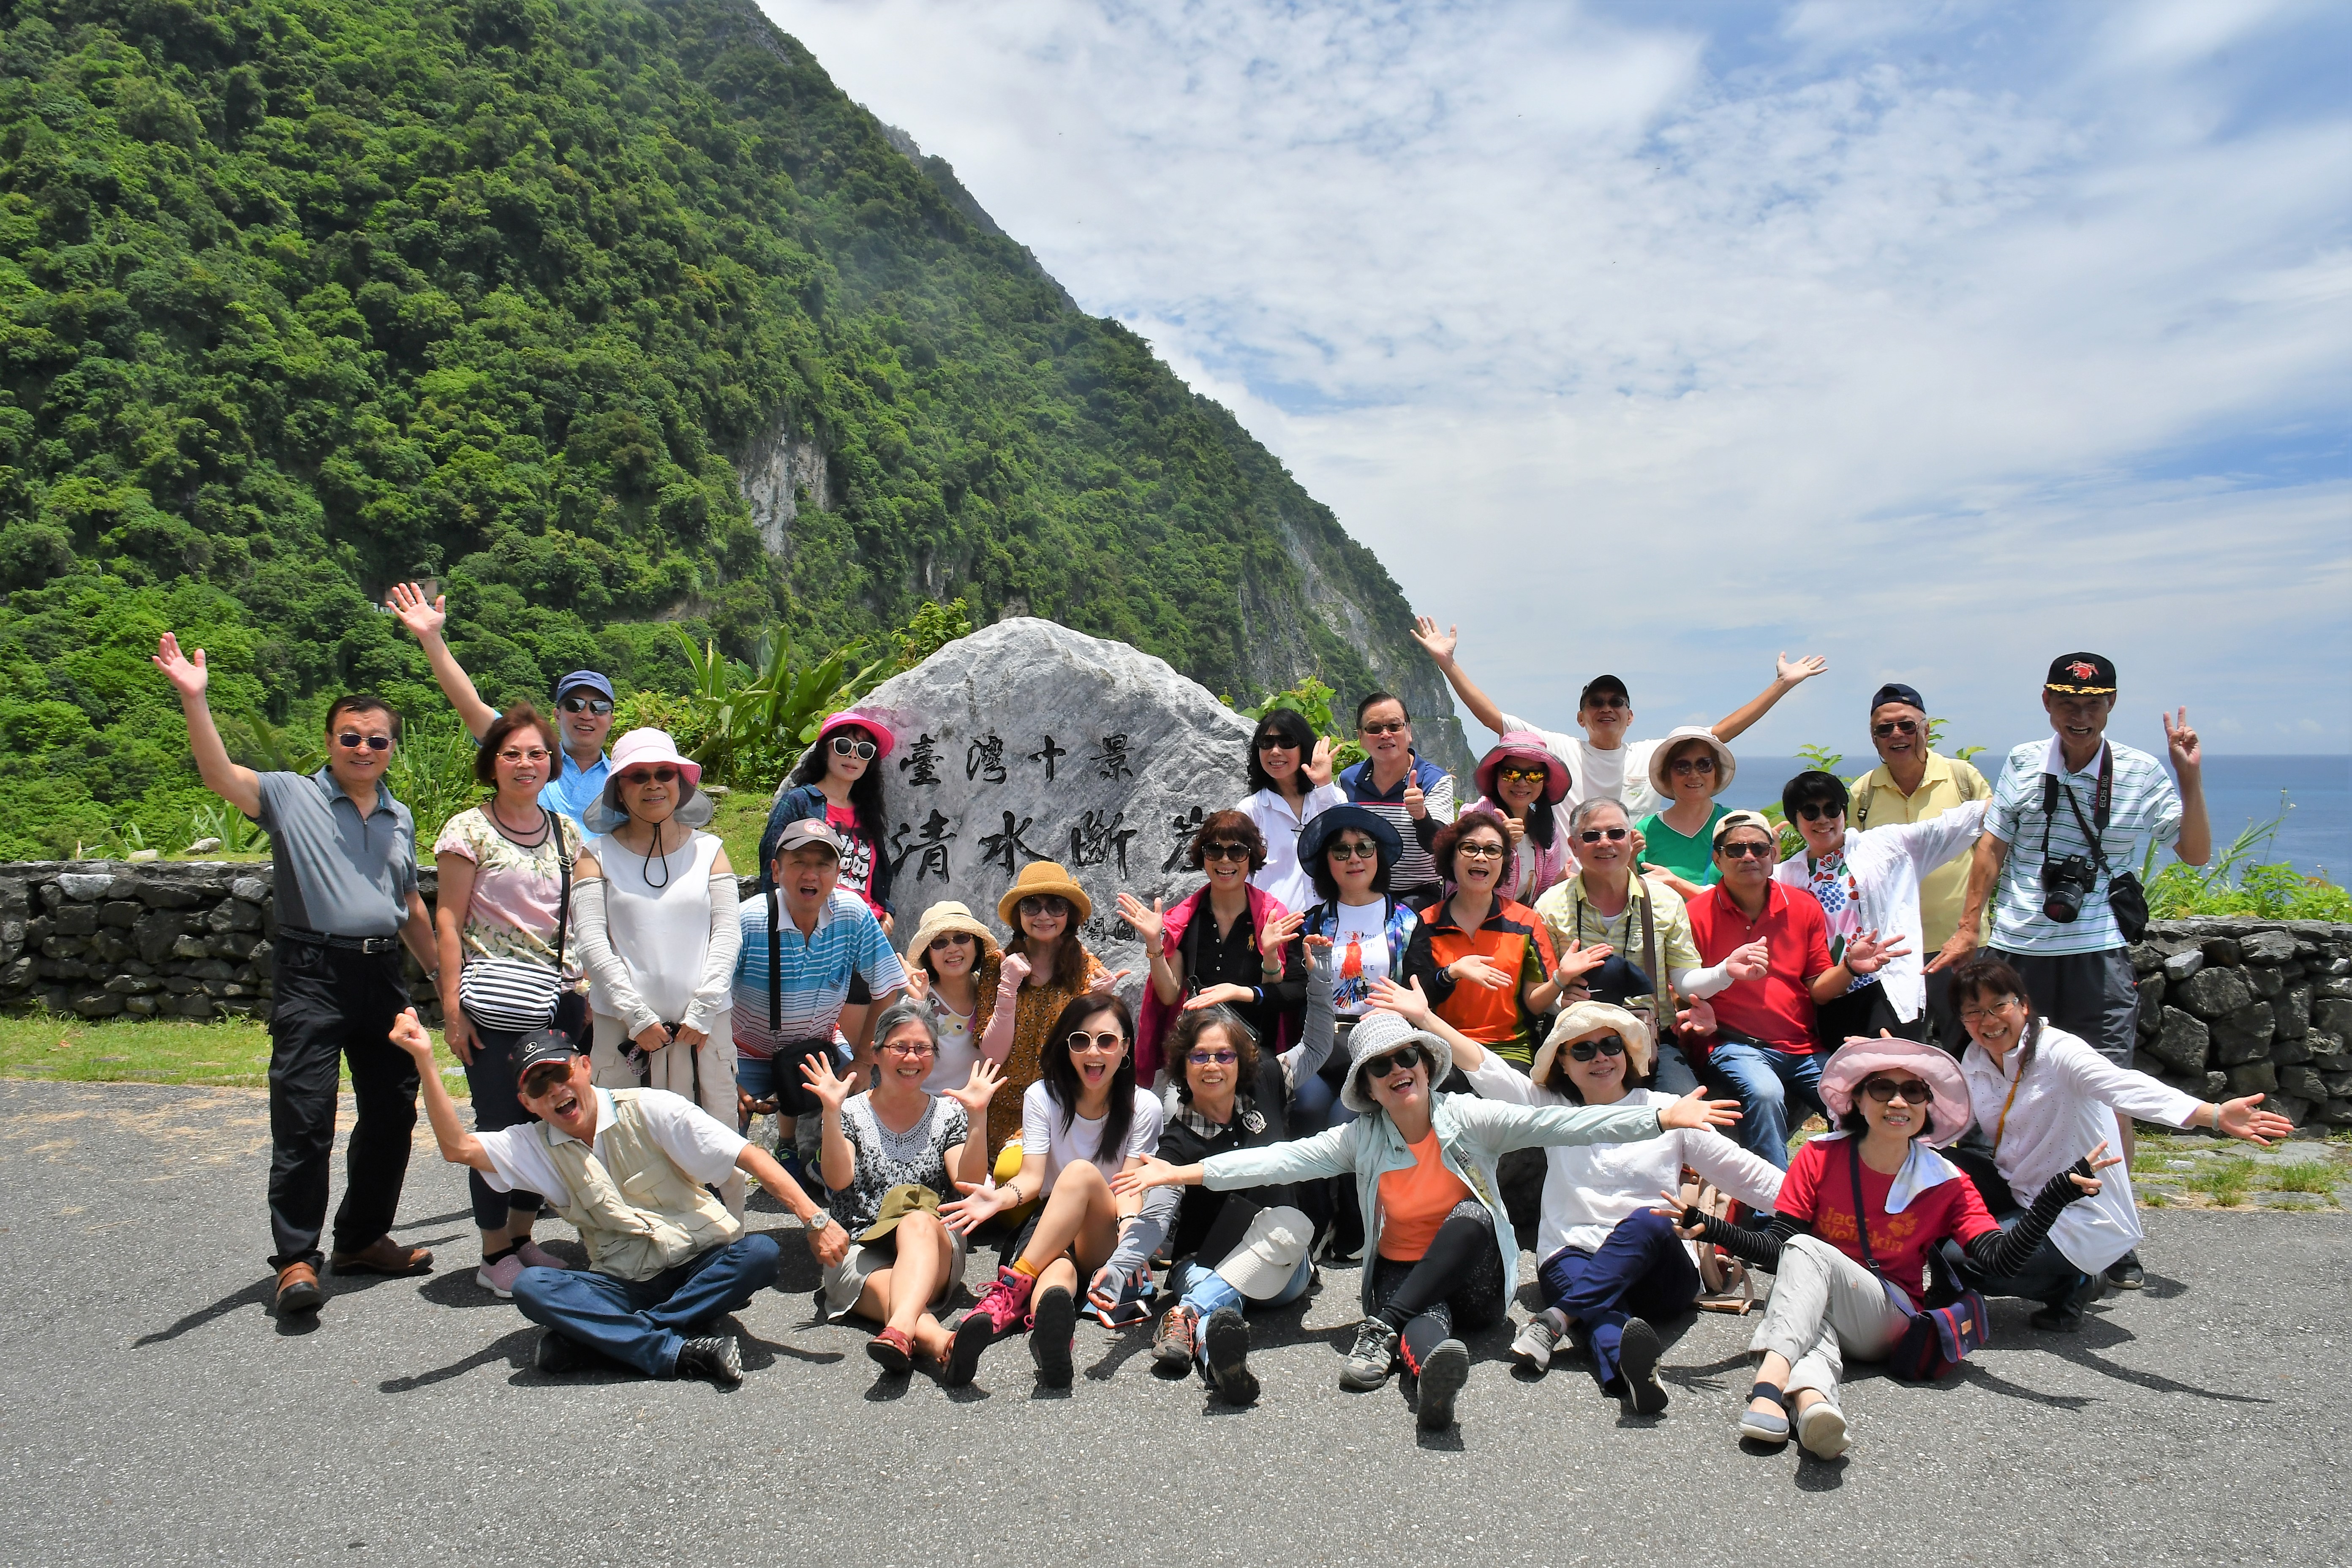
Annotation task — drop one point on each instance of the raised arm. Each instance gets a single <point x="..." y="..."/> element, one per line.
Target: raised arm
<point x="410" y="608"/>
<point x="2195" y="845"/>
<point x="241" y="787"/>
<point x="458" y="1146"/>
<point x="1441" y="648"/>
<point x="1787" y="676"/>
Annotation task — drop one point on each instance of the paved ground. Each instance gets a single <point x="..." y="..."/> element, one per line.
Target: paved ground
<point x="152" y="1412"/>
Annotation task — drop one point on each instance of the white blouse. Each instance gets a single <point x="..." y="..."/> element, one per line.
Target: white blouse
<point x="1282" y="877"/>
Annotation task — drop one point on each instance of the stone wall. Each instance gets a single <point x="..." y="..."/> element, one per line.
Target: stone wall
<point x="2233" y="1006"/>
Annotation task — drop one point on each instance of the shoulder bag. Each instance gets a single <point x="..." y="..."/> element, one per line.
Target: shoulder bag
<point x="517" y="995"/>
<point x="1935" y="1341"/>
<point x="2126" y="897"/>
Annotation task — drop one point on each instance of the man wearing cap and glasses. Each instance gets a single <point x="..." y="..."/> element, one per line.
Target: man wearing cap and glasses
<point x="632" y="1171"/>
<point x="1601" y="762"/>
<point x="1915" y="782"/>
<point x="2072" y="816"/>
<point x="343" y="870"/>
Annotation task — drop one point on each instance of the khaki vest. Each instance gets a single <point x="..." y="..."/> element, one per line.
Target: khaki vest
<point x="641" y="1214"/>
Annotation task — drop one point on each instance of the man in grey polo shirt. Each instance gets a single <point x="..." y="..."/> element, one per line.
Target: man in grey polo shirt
<point x="343" y="859"/>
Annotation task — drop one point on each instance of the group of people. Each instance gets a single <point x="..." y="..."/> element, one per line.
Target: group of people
<point x="1374" y="1016"/>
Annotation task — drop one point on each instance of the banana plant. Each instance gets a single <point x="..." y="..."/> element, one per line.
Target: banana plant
<point x="756" y="720"/>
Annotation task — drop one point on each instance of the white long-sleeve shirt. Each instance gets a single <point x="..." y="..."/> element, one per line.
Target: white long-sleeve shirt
<point x="1886" y="864"/>
<point x="1589" y="1188"/>
<point x="1282" y="875"/>
<point x="2066" y="1107"/>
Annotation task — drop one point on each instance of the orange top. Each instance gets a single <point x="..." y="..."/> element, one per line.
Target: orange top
<point x="1414" y="1203"/>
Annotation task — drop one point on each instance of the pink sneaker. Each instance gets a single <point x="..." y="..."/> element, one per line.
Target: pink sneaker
<point x="499" y="1278"/>
<point x="1001" y="1310"/>
<point x="534" y="1255"/>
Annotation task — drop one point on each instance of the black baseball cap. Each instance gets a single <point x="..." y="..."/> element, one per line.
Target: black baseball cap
<point x="546" y="1045"/>
<point x="1896" y="691"/>
<point x="2082" y="675"/>
<point x="1603" y="683"/>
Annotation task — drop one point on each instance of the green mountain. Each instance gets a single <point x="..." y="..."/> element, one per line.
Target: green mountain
<point x="612" y="316"/>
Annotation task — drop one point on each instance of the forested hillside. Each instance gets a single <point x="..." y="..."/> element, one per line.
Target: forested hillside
<point x="611" y="315"/>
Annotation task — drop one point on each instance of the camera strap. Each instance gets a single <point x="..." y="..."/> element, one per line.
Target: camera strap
<point x="2100" y="803"/>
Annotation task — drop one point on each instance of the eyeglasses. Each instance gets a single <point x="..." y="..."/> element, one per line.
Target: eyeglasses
<point x="1814" y="811"/>
<point x="1884" y="1089"/>
<point x="910" y="1048"/>
<point x="1222" y="851"/>
<point x="541" y="1081"/>
<point x="1743" y="849"/>
<point x="1404" y="1058"/>
<point x="1392" y="727"/>
<point x="1042" y="906"/>
<point x="1585" y="1050"/>
<point x="1219" y="1058"/>
<point x="638" y="778"/>
<point x="1523" y="776"/>
<point x="1354" y="849"/>
<point x="1691" y="765"/>
<point x="1978" y="1015"/>
<point x="1896" y="727"/>
<point x="523" y="754"/>
<point x="851" y="746"/>
<point x="599" y="706"/>
<point x="1277" y="744"/>
<point x="351" y="740"/>
<point x="1480" y="851"/>
<point x="1108" y="1044"/>
<point x="1595" y="834"/>
<point x="951" y="939"/>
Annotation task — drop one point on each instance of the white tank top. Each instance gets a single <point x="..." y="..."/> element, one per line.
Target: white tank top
<point x="660" y="929"/>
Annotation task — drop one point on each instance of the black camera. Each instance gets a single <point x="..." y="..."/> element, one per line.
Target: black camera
<point x="2065" y="883"/>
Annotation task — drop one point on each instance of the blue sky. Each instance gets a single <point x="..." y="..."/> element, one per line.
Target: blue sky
<point x="1658" y="337"/>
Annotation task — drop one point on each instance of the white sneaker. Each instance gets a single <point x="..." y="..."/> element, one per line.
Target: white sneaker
<point x="499" y="1278"/>
<point x="1820" y="1428"/>
<point x="1533" y="1349"/>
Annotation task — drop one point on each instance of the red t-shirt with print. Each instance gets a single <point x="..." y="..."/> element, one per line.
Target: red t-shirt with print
<point x="1819" y="1189"/>
<point x="1778" y="1008"/>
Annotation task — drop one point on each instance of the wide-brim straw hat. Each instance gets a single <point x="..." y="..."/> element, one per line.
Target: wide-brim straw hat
<point x="1038" y="878"/>
<point x="1582" y="1019"/>
<point x="1377" y="1035"/>
<point x="1662" y="775"/>
<point x="1852" y="1063"/>
<point x="1524" y="746"/>
<point x="945" y="916"/>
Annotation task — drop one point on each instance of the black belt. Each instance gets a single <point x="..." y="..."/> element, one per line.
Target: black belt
<point x="371" y="944"/>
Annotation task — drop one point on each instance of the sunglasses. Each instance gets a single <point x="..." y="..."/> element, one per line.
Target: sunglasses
<point x="1107" y="1044"/>
<point x="1692" y="765"/>
<point x="1042" y="906"/>
<point x="917" y="1049"/>
<point x="1480" y="851"/>
<point x="1595" y="834"/>
<point x="1896" y="727"/>
<point x="1276" y="743"/>
<point x="1523" y="776"/>
<point x="1404" y="1058"/>
<point x="599" y="706"/>
<point x="1814" y="811"/>
<point x="1607" y="702"/>
<point x="1585" y="1050"/>
<point x="951" y="939"/>
<point x="351" y="740"/>
<point x="541" y="1081"/>
<point x="523" y="754"/>
<point x="1393" y="727"/>
<point x="1222" y="1058"/>
<point x="1358" y="850"/>
<point x="850" y="746"/>
<point x="1884" y="1089"/>
<point x="1224" y="852"/>
<point x="638" y="778"/>
<point x="1743" y="849"/>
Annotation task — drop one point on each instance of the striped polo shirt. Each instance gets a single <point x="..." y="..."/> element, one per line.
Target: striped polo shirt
<point x="812" y="979"/>
<point x="2144" y="814"/>
<point x="1414" y="869"/>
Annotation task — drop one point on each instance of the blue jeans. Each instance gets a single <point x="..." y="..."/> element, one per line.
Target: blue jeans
<point x="1314" y="1104"/>
<point x="639" y="1323"/>
<point x="1766" y="1080"/>
<point x="2049" y="1275"/>
<point x="1642" y="1270"/>
<point x="1672" y="1072"/>
<point x="1205" y="1291"/>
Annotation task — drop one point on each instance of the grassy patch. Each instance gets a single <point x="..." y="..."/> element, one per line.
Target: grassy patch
<point x="2303" y="1177"/>
<point x="2224" y="1182"/>
<point x="2156" y="1200"/>
<point x="740" y="818"/>
<point x="229" y="1051"/>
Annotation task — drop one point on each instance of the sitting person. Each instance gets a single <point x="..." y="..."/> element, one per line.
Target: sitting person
<point x="1610" y="1266"/>
<point x="1689" y="768"/>
<point x="631" y="1170"/>
<point x="1858" y="1220"/>
<point x="1484" y="961"/>
<point x="2041" y="1094"/>
<point x="952" y="967"/>
<point x="1229" y="1249"/>
<point x="1044" y="969"/>
<point x="1445" y="1253"/>
<point x="1224" y="944"/>
<point x="1522" y="783"/>
<point x="887" y="1162"/>
<point x="1082" y="1122"/>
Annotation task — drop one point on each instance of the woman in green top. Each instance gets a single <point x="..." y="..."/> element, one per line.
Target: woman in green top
<point x="1690" y="768"/>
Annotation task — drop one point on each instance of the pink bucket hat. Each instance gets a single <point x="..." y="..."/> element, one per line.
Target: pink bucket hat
<point x="871" y="723"/>
<point x="641" y="746"/>
<point x="1856" y="1060"/>
<point x="1524" y="746"/>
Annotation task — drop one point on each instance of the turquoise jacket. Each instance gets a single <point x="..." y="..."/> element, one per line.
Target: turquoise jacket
<point x="1472" y="1135"/>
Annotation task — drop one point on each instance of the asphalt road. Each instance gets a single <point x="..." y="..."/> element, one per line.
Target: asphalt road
<point x="155" y="1413"/>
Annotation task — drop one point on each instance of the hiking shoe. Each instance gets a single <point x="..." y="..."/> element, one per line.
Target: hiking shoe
<point x="1637" y="1362"/>
<point x="1053" y="1325"/>
<point x="1171" y="1346"/>
<point x="1004" y="1305"/>
<point x="1442" y="1377"/>
<point x="717" y="1358"/>
<point x="1228" y="1340"/>
<point x="1533" y="1349"/>
<point x="499" y="1278"/>
<point x="534" y="1255"/>
<point x="2126" y="1274"/>
<point x="557" y="1355"/>
<point x="1369" y="1363"/>
<point x="1821" y="1429"/>
<point x="298" y="1289"/>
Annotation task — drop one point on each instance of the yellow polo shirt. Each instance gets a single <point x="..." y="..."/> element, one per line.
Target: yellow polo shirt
<point x="1946" y="785"/>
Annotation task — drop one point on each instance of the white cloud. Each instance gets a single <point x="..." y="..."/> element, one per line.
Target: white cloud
<point x="1625" y="358"/>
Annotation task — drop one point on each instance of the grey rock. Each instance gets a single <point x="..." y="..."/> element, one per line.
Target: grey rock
<point x="2335" y="986"/>
<point x="181" y="984"/>
<point x="2332" y="1014"/>
<point x="133" y="966"/>
<point x="38" y="930"/>
<point x="77" y="920"/>
<point x="2181" y="966"/>
<point x="2329" y="1053"/>
<point x="17" y="975"/>
<point x="2302" y="1082"/>
<point x="84" y="887"/>
<point x="96" y="1005"/>
<point x="63" y="968"/>
<point x="234" y="914"/>
<point x="63" y="946"/>
<point x="262" y="957"/>
<point x="2267" y="947"/>
<point x="2296" y="1050"/>
<point x="2217" y="1086"/>
<point x="2339" y="1084"/>
<point x="2213" y="993"/>
<point x="119" y="913"/>
<point x="16" y="898"/>
<point x="2151" y="994"/>
<point x="252" y="889"/>
<point x="2339" y="1112"/>
<point x="2253" y="1077"/>
<point x="233" y="945"/>
<point x="154" y="933"/>
<point x="108" y="947"/>
<point x="196" y="1006"/>
<point x="2244" y="1035"/>
<point x="1139" y="754"/>
<point x="129" y="985"/>
<point x="2339" y="965"/>
<point x="211" y="969"/>
<point x="2294" y="1010"/>
<point x="2182" y="1043"/>
<point x="2265" y="981"/>
<point x="190" y="945"/>
<point x="2145" y="957"/>
<point x="2221" y="951"/>
<point x="2295" y="1107"/>
<point x="144" y="1006"/>
<point x="161" y="895"/>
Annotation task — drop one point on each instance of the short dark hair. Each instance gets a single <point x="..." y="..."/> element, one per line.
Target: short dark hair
<point x="1188" y="1029"/>
<point x="1373" y="696"/>
<point x="1061" y="1075"/>
<point x="1986" y="978"/>
<point x="1812" y="788"/>
<point x="1232" y="825"/>
<point x="1450" y="835"/>
<point x="1292" y="726"/>
<point x="362" y="703"/>
<point x="522" y="715"/>
<point x="1326" y="886"/>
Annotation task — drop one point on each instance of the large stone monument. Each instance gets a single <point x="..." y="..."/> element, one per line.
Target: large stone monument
<point x="1029" y="741"/>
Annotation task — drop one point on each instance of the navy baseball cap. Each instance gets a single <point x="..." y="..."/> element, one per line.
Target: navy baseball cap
<point x="1896" y="691"/>
<point x="589" y="678"/>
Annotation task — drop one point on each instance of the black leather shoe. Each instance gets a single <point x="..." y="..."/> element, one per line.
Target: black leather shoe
<point x="719" y="1358"/>
<point x="558" y="1356"/>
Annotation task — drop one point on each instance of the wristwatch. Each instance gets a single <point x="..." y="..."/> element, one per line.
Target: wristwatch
<point x="814" y="1224"/>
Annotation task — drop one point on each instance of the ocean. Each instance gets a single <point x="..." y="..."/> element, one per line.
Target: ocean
<point x="2315" y="837"/>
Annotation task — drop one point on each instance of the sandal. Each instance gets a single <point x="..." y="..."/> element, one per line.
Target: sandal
<point x="893" y="1351"/>
<point x="1762" y="1425"/>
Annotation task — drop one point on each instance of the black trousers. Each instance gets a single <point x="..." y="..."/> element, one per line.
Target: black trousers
<point x="331" y="1006"/>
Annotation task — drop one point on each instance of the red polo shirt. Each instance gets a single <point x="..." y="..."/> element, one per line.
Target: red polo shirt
<point x="1778" y="1008"/>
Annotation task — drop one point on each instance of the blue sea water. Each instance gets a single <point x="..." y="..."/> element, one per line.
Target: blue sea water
<point x="2315" y="837"/>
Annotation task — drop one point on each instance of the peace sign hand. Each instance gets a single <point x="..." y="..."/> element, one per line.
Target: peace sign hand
<point x="2187" y="753"/>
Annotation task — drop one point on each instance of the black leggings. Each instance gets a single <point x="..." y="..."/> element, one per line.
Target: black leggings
<point x="1458" y="1281"/>
<point x="498" y="1106"/>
